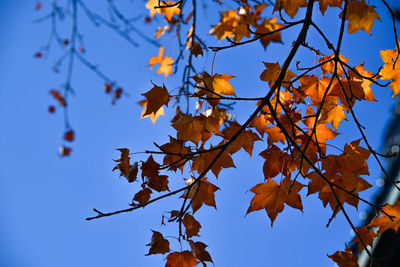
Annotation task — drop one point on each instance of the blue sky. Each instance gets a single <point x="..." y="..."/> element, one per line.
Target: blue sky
<point x="44" y="198"/>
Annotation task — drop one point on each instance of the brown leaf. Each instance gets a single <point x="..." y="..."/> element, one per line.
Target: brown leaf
<point x="345" y="258"/>
<point x="192" y="226"/>
<point x="69" y="136"/>
<point x="204" y="195"/>
<point x="132" y="174"/>
<point x="196" y="50"/>
<point x="156" y="98"/>
<point x="142" y="196"/>
<point x="158" y="244"/>
<point x="367" y="236"/>
<point x="65" y="151"/>
<point x="124" y="165"/>
<point x="199" y="251"/>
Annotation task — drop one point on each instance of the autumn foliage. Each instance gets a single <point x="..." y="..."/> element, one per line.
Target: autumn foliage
<point x="292" y="125"/>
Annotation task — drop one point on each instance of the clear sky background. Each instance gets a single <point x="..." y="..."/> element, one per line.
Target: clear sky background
<point x="44" y="198"/>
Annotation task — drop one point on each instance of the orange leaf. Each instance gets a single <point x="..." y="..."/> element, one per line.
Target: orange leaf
<point x="290" y="6"/>
<point x="201" y="162"/>
<point x="221" y="85"/>
<point x="360" y="16"/>
<point x="181" y="259"/>
<point x="390" y="72"/>
<point x="323" y="4"/>
<point x="158" y="244"/>
<point x="384" y="222"/>
<point x="269" y="25"/>
<point x="204" y="195"/>
<point x="272" y="197"/>
<point x="329" y="67"/>
<point x="271" y="74"/>
<point x="165" y="63"/>
<point x="333" y="114"/>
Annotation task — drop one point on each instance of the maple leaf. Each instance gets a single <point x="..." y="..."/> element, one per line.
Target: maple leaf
<point x="142" y="196"/>
<point x="132" y="174"/>
<point x="322" y="132"/>
<point x="272" y="197"/>
<point x="156" y="98"/>
<point x="367" y="236"/>
<point x="221" y="85"/>
<point x="181" y="259"/>
<point x="274" y="162"/>
<point x="384" y="222"/>
<point x="389" y="71"/>
<point x="365" y="92"/>
<point x="329" y="66"/>
<point x="213" y="86"/>
<point x="260" y="123"/>
<point x="188" y="128"/>
<point x="204" y="195"/>
<point x="150" y="167"/>
<point x="354" y="158"/>
<point x="314" y="87"/>
<point x="153" y="116"/>
<point x="192" y="226"/>
<point x="345" y="258"/>
<point x="360" y="16"/>
<point x="201" y="162"/>
<point x="333" y="114"/>
<point x="323" y="4"/>
<point x="165" y="63"/>
<point x="269" y="25"/>
<point x="196" y="50"/>
<point x="245" y="140"/>
<point x="124" y="164"/>
<point x="275" y="135"/>
<point x="176" y="147"/>
<point x="290" y="6"/>
<point x="272" y="72"/>
<point x="150" y="5"/>
<point x="158" y="244"/>
<point x="227" y="24"/>
<point x="168" y="12"/>
<point x="199" y="251"/>
<point x="158" y="182"/>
